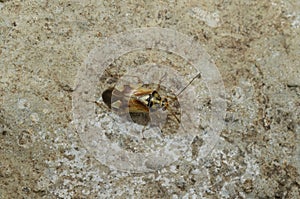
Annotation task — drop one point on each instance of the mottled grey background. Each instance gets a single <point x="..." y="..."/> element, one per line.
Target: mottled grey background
<point x="255" y="46"/>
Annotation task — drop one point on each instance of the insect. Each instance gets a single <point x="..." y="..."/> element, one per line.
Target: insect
<point x="139" y="100"/>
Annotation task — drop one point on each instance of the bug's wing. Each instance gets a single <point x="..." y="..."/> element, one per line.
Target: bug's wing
<point x="142" y="91"/>
<point x="136" y="106"/>
<point x="133" y="105"/>
<point x="127" y="99"/>
<point x="118" y="94"/>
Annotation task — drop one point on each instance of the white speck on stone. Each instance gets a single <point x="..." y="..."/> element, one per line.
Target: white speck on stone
<point x="34" y="117"/>
<point x="94" y="143"/>
<point x="186" y="196"/>
<point x="158" y="178"/>
<point x="60" y="95"/>
<point x="174" y="196"/>
<point x="173" y="169"/>
<point x="195" y="172"/>
<point x="189" y="159"/>
<point x="23" y="104"/>
<point x="45" y="111"/>
<point x="166" y="182"/>
<point x="211" y="19"/>
<point x="296" y="22"/>
<point x="252" y="169"/>
<point x="224" y="192"/>
<point x="85" y="192"/>
<point x="192" y="191"/>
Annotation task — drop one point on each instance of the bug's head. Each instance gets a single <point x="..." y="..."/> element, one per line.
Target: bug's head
<point x="157" y="102"/>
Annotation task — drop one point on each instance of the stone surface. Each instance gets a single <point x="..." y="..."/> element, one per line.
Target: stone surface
<point x="255" y="47"/>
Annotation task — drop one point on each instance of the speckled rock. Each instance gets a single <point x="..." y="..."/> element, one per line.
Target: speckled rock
<point x="249" y="55"/>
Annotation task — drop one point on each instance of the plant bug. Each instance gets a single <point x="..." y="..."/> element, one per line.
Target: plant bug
<point x="140" y="101"/>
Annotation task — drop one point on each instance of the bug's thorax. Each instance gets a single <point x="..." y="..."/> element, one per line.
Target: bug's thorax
<point x="153" y="101"/>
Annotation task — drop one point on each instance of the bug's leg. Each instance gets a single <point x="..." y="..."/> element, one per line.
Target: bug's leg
<point x="110" y="77"/>
<point x="99" y="104"/>
<point x="176" y="118"/>
<point x="172" y="97"/>
<point x="174" y="115"/>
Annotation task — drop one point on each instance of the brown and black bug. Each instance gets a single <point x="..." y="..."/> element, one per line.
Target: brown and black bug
<point x="139" y="100"/>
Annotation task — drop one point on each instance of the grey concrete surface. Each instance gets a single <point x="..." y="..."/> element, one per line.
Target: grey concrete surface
<point x="255" y="46"/>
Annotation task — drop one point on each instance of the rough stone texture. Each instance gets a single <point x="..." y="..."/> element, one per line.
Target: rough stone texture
<point x="255" y="46"/>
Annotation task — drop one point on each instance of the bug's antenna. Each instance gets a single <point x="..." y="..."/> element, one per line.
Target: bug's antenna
<point x="173" y="114"/>
<point x="197" y="76"/>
